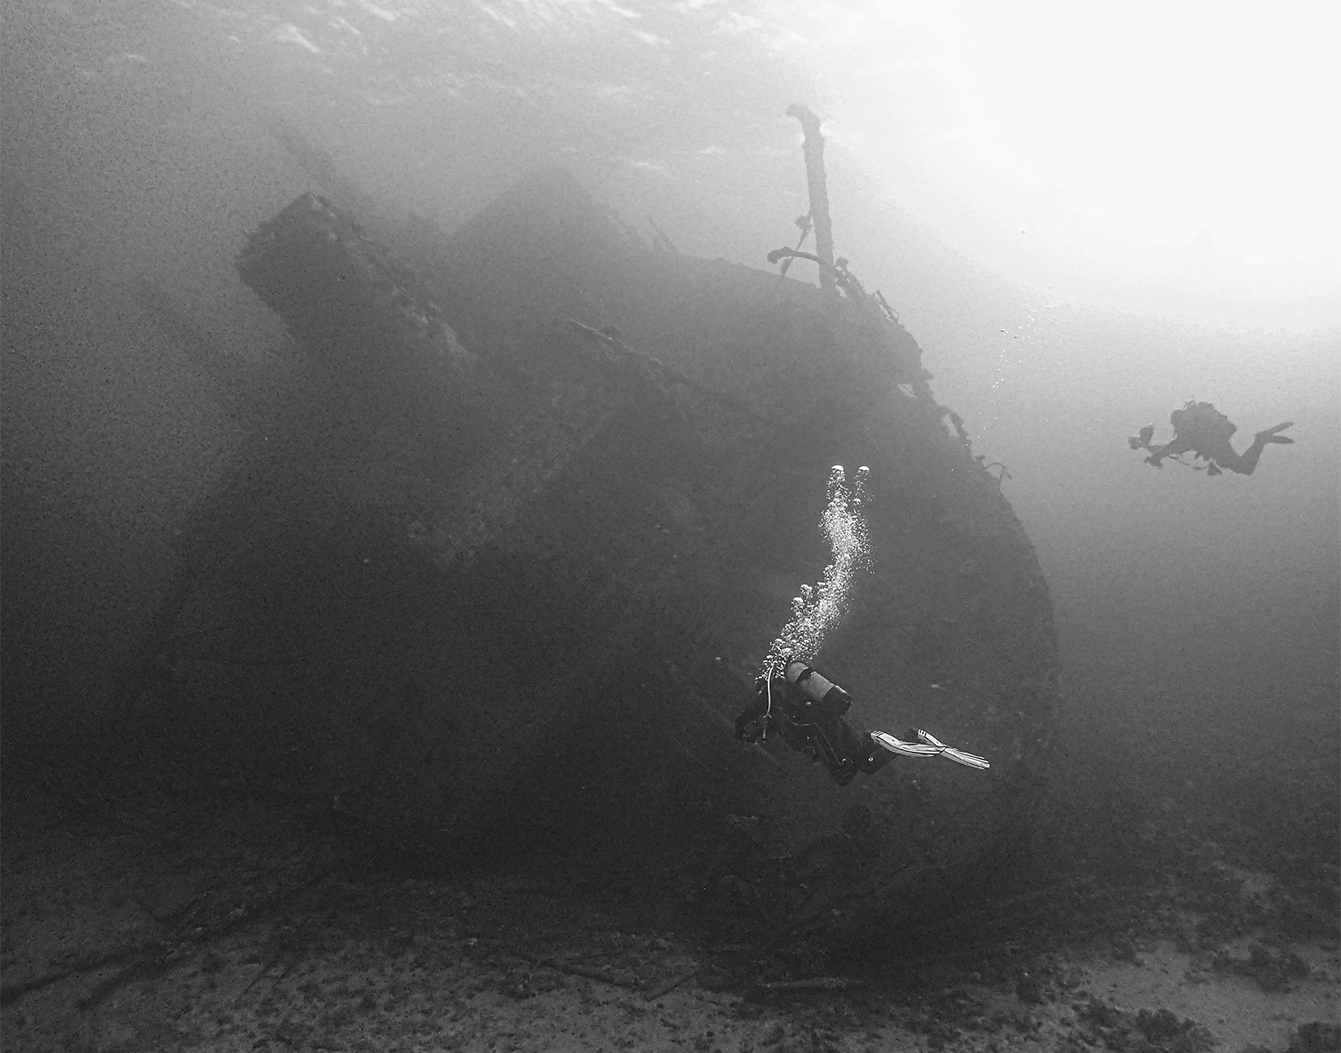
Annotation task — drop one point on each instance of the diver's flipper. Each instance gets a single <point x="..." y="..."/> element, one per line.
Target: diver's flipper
<point x="928" y="746"/>
<point x="1270" y="434"/>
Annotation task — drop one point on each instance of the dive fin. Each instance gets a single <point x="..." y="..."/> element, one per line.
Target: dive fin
<point x="928" y="746"/>
<point x="1271" y="434"/>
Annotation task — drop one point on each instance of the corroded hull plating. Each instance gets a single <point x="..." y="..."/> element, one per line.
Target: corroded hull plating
<point x="556" y="490"/>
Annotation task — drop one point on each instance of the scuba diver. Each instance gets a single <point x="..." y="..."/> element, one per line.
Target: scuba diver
<point x="1202" y="429"/>
<point x="807" y="709"/>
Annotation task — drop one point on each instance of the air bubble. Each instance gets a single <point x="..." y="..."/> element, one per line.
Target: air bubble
<point x="818" y="609"/>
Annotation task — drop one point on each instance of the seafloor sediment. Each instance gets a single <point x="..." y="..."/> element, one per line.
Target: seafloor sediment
<point x="1181" y="893"/>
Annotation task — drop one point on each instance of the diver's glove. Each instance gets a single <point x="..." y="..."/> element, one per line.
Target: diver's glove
<point x="752" y="724"/>
<point x="752" y="731"/>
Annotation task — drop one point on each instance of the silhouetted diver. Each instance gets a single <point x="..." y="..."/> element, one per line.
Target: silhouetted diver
<point x="1202" y="429"/>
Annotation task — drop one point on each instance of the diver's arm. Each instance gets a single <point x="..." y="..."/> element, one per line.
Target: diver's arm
<point x="1169" y="449"/>
<point x="749" y="715"/>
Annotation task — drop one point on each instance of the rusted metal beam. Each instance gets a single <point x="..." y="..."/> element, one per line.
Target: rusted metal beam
<point x="813" y="147"/>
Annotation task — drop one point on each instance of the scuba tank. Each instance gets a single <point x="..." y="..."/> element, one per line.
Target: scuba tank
<point x="816" y="688"/>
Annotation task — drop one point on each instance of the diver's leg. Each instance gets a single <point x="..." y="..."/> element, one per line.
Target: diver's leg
<point x="1245" y="464"/>
<point x="1223" y="454"/>
<point x="1261" y="441"/>
<point x="875" y="758"/>
<point x="845" y="753"/>
<point x="826" y="743"/>
<point x="861" y="752"/>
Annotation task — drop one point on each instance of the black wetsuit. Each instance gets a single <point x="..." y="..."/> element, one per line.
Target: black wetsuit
<point x="814" y="726"/>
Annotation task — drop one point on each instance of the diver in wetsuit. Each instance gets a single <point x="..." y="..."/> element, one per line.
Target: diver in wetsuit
<point x="808" y="711"/>
<point x="1202" y="429"/>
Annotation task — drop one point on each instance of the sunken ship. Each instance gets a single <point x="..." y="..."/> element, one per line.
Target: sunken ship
<point x="500" y="567"/>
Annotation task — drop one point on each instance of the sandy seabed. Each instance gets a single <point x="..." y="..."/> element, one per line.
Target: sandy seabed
<point x="1162" y="911"/>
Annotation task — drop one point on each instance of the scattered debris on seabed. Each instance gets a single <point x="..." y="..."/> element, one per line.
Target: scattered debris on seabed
<point x="266" y="926"/>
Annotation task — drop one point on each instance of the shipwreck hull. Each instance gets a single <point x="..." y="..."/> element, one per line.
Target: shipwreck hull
<point x="505" y="568"/>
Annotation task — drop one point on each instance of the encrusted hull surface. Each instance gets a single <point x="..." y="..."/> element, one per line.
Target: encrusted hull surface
<point x="505" y="567"/>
